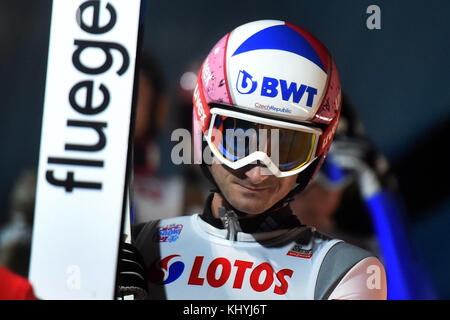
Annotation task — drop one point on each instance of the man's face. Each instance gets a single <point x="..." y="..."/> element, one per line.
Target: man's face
<point x="250" y="190"/>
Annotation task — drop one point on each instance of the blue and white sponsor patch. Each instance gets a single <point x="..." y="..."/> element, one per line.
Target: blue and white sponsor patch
<point x="169" y="233"/>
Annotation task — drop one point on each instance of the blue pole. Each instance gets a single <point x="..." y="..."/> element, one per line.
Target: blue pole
<point x="405" y="278"/>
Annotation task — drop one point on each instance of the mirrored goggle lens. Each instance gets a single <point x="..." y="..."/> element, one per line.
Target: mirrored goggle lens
<point x="236" y="139"/>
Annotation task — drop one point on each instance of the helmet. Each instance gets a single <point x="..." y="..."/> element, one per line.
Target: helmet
<point x="268" y="75"/>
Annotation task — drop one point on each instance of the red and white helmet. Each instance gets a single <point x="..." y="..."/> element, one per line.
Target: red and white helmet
<point x="268" y="74"/>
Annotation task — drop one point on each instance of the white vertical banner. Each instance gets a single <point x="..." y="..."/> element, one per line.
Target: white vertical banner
<point x="84" y="145"/>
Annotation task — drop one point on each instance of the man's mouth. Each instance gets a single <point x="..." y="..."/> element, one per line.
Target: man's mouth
<point x="253" y="188"/>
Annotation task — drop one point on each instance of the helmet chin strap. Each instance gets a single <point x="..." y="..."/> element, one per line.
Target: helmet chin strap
<point x="303" y="179"/>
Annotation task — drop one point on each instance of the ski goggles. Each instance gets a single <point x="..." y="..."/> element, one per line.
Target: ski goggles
<point x="238" y="139"/>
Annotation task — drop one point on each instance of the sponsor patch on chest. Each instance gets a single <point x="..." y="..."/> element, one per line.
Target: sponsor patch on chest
<point x="300" y="251"/>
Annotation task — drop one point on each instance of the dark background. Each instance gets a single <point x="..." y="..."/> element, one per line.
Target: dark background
<point x="396" y="77"/>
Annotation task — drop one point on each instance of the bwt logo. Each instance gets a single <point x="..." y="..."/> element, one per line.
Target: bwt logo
<point x="245" y="83"/>
<point x="271" y="87"/>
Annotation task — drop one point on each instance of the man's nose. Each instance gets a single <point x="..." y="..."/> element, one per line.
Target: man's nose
<point x="257" y="174"/>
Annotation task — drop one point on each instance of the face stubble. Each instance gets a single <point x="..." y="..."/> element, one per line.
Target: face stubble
<point x="250" y="189"/>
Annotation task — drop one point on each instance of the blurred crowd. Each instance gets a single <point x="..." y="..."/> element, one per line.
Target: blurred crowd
<point x="335" y="202"/>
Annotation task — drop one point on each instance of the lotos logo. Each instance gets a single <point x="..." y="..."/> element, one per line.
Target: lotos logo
<point x="218" y="272"/>
<point x="160" y="272"/>
<point x="272" y="87"/>
<point x="221" y="271"/>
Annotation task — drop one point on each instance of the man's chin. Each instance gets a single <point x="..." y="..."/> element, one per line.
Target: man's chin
<point x="248" y="207"/>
